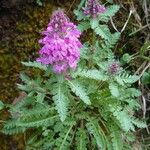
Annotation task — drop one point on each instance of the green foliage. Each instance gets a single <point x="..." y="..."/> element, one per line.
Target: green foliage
<point x="61" y="100"/>
<point x="146" y="78"/>
<point x="101" y="30"/>
<point x="95" y="130"/>
<point x="83" y="26"/>
<point x="93" y="109"/>
<point x="80" y="91"/>
<point x="114" y="90"/>
<point x="91" y="74"/>
<point x="126" y="58"/>
<point x="1" y="105"/>
<point x="144" y="50"/>
<point x="110" y="12"/>
<point x="39" y="2"/>
<point x="81" y="139"/>
<point x="117" y="143"/>
<point x="63" y="142"/>
<point x="35" y="65"/>
<point x="125" y="78"/>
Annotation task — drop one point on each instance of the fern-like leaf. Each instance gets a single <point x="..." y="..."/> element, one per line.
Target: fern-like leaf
<point x="117" y="141"/>
<point x="83" y="26"/>
<point x="35" y="64"/>
<point x="114" y="89"/>
<point x="95" y="130"/>
<point x="123" y="117"/>
<point x="64" y="140"/>
<point x="92" y="74"/>
<point x="110" y="12"/>
<point x="61" y="100"/>
<point x="81" y="139"/>
<point x="79" y="90"/>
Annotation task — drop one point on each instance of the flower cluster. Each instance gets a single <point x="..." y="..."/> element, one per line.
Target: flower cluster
<point x="114" y="68"/>
<point x="93" y="8"/>
<point x="60" y="43"/>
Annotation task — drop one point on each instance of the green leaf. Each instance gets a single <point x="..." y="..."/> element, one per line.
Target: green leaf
<point x="80" y="91"/>
<point x="24" y="78"/>
<point x="1" y="105"/>
<point x="36" y="123"/>
<point x="40" y="97"/>
<point x="110" y="1"/>
<point x="83" y="26"/>
<point x="145" y="48"/>
<point x="81" y="139"/>
<point x="123" y="117"/>
<point x="39" y="2"/>
<point x="35" y="64"/>
<point x="116" y="139"/>
<point x="79" y="14"/>
<point x="94" y="23"/>
<point x="125" y="78"/>
<point x="81" y="4"/>
<point x="63" y="140"/>
<point x="103" y="31"/>
<point x="129" y="78"/>
<point x="126" y="58"/>
<point x="139" y="123"/>
<point x="61" y="100"/>
<point x="146" y="78"/>
<point x="110" y="12"/>
<point x="92" y="74"/>
<point x="114" y="89"/>
<point x="95" y="130"/>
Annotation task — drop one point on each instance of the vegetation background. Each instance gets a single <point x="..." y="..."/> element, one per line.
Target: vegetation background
<point x="21" y="22"/>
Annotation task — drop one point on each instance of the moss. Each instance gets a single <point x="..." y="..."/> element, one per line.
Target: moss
<point x="22" y="46"/>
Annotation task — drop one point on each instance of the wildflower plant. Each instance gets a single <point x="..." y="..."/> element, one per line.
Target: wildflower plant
<point x="85" y="99"/>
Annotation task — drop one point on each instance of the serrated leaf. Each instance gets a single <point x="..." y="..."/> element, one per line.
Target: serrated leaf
<point x="123" y="117"/>
<point x="65" y="138"/>
<point x="80" y="91"/>
<point x="129" y="78"/>
<point x="94" y="23"/>
<point x="116" y="139"/>
<point x="119" y="80"/>
<point x="1" y="105"/>
<point x="92" y="74"/>
<point x="103" y="31"/>
<point x="79" y="14"/>
<point x="40" y="97"/>
<point x="81" y="139"/>
<point x="24" y="78"/>
<point x="35" y="64"/>
<point x="139" y="123"/>
<point x="110" y="12"/>
<point x="83" y="26"/>
<point x="60" y="100"/>
<point x="114" y="90"/>
<point x="94" y="129"/>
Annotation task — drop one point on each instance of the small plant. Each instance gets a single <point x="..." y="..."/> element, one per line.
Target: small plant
<point x="84" y="99"/>
<point x="39" y="2"/>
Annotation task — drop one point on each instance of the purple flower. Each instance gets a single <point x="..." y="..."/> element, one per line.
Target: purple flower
<point x="114" y="68"/>
<point x="93" y="8"/>
<point x="60" y="43"/>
